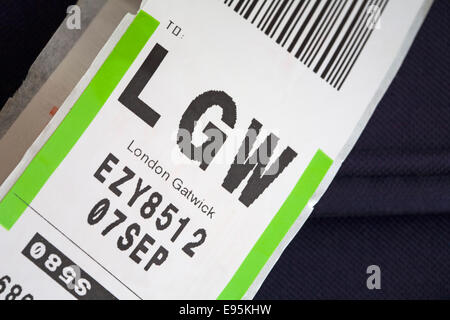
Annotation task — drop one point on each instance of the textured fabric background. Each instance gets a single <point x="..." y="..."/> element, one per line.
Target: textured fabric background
<point x="388" y="206"/>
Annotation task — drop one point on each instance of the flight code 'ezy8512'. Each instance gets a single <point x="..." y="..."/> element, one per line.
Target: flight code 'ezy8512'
<point x="133" y="235"/>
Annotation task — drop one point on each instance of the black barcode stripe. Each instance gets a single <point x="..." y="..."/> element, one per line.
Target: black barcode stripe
<point x="276" y="17"/>
<point x="350" y="46"/>
<point x="305" y="23"/>
<point x="344" y="39"/>
<point x="282" y="18"/>
<point x="327" y="36"/>
<point x="239" y="5"/>
<point x="250" y="10"/>
<point x="360" y="50"/>
<point x="289" y="23"/>
<point x="359" y="45"/>
<point x="313" y="29"/>
<point x="335" y="36"/>
<point x="266" y="13"/>
<point x="319" y="33"/>
<point x="259" y="11"/>
<point x="328" y="30"/>
<point x="269" y="18"/>
<point x="296" y="22"/>
<point x="263" y="9"/>
<point x="359" y="40"/>
<point x="244" y="7"/>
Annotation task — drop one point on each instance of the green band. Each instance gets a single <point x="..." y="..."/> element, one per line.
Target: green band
<point x="78" y="119"/>
<point x="278" y="227"/>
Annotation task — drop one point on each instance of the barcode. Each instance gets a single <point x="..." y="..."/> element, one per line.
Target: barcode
<point x="327" y="36"/>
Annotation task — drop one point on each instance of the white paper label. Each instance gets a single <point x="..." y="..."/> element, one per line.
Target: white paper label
<point x="209" y="152"/>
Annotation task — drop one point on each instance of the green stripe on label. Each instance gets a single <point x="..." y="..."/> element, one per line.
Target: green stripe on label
<point x="278" y="227"/>
<point x="78" y="119"/>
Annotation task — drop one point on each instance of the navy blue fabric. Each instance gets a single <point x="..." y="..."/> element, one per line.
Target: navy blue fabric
<point x="25" y="28"/>
<point x="390" y="202"/>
